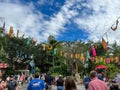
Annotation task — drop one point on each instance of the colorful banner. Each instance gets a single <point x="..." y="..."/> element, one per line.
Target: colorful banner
<point x="71" y="55"/>
<point x="10" y="31"/>
<point x="55" y="51"/>
<point x="93" y="52"/>
<point x="107" y="60"/>
<point x="28" y="41"/>
<point x="87" y="55"/>
<point x="104" y="44"/>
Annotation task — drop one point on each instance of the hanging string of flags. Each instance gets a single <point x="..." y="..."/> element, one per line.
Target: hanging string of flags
<point x="113" y="28"/>
<point x="81" y="56"/>
<point x="86" y="55"/>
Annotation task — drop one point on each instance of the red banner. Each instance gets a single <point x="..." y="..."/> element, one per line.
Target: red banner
<point x="3" y="65"/>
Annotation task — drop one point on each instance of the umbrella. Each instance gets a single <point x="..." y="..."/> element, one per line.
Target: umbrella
<point x="101" y="67"/>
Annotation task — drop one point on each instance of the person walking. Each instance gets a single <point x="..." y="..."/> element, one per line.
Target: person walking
<point x="36" y="83"/>
<point x="60" y="83"/>
<point x="95" y="83"/>
<point x="86" y="81"/>
<point x="70" y="84"/>
<point x="12" y="84"/>
<point x="49" y="80"/>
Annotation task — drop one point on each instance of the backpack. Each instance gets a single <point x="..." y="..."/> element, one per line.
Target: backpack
<point x="36" y="85"/>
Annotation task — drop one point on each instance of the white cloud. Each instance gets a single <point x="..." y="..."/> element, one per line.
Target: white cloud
<point x="57" y="22"/>
<point x="105" y="13"/>
<point x="22" y="17"/>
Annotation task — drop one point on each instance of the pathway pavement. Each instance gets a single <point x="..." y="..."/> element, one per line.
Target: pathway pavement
<point x="79" y="86"/>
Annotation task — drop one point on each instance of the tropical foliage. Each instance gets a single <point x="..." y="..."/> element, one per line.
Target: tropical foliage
<point x="60" y="57"/>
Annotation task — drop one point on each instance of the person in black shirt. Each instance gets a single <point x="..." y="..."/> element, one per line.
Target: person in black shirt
<point x="49" y="80"/>
<point x="60" y="83"/>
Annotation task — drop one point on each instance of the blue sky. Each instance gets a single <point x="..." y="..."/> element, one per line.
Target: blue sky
<point x="66" y="20"/>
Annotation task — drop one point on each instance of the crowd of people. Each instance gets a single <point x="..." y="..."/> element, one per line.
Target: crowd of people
<point x="97" y="81"/>
<point x="11" y="82"/>
<point x="46" y="83"/>
<point x="93" y="81"/>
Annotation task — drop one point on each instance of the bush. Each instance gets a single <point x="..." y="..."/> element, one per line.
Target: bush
<point x="57" y="70"/>
<point x="37" y="69"/>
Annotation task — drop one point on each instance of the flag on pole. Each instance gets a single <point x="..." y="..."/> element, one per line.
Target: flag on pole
<point x="104" y="43"/>
<point x="17" y="33"/>
<point x="3" y="28"/>
<point x="10" y="31"/>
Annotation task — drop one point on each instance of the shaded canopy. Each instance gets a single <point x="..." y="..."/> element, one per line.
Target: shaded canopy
<point x="101" y="67"/>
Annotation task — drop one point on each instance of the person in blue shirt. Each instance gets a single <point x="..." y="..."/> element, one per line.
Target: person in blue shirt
<point x="86" y="81"/>
<point x="36" y="83"/>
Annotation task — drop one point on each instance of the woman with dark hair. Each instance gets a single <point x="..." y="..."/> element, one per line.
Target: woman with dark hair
<point x="70" y="84"/>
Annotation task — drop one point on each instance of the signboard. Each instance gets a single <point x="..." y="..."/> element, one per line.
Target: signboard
<point x="3" y="65"/>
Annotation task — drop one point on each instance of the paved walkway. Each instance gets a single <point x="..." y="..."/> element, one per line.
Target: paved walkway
<point x="79" y="86"/>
